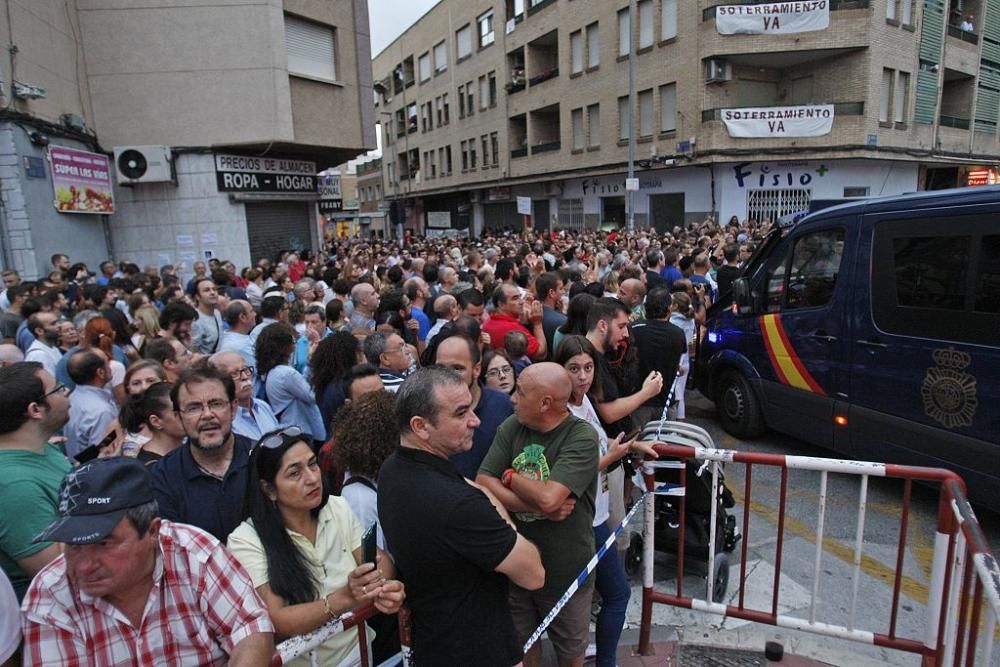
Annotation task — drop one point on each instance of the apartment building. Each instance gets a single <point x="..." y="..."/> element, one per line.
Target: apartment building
<point x="178" y="130"/>
<point x="745" y="109"/>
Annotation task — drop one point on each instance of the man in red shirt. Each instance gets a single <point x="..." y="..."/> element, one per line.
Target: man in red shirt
<point x="514" y="314"/>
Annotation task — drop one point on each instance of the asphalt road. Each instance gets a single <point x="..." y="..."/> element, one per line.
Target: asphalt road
<point x="845" y="593"/>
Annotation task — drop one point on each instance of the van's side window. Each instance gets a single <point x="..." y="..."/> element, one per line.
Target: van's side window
<point x="931" y="271"/>
<point x="808" y="280"/>
<point x="988" y="276"/>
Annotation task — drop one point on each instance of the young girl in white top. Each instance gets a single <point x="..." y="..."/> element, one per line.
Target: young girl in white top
<point x="682" y="315"/>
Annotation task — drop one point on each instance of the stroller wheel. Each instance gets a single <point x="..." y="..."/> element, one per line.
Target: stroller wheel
<point x="633" y="556"/>
<point x="721" y="582"/>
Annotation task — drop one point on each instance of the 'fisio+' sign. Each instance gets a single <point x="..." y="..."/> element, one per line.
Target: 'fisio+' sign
<point x="240" y="173"/>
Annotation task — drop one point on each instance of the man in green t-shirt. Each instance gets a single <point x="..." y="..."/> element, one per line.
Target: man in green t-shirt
<point x="542" y="466"/>
<point x="32" y="408"/>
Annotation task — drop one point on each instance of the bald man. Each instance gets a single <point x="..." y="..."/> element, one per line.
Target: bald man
<point x="633" y="293"/>
<point x="10" y="354"/>
<point x="543" y="467"/>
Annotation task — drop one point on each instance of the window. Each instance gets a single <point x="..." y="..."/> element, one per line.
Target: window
<point x="623" y="119"/>
<point x="576" y="52"/>
<point x="311" y="49"/>
<point x="668" y="19"/>
<point x="593" y="46"/>
<point x="906" y="16"/>
<point x="432" y="163"/>
<point x="486" y="34"/>
<point x="668" y="107"/>
<point x="987" y="298"/>
<point x="645" y="23"/>
<point x="814" y="269"/>
<point x="570" y="213"/>
<point x="440" y="56"/>
<point x="472" y="153"/>
<point x="931" y="271"/>
<point x="492" y="77"/>
<point x="439" y="107"/>
<point x="461" y="101"/>
<point x="485" y="143"/>
<point x="646" y="113"/>
<point x="890" y="9"/>
<point x="484" y="92"/>
<point x="411" y="117"/>
<point x="447" y="155"/>
<point x="624" y="33"/>
<point x="902" y="93"/>
<point x="441" y="160"/>
<point x="470" y="105"/>
<point x="576" y="116"/>
<point x="495" y="148"/>
<point x="444" y="103"/>
<point x="424" y="67"/>
<point x="465" y="155"/>
<point x="463" y="42"/>
<point x="886" y="96"/>
<point x="594" y="126"/>
<point x="853" y="191"/>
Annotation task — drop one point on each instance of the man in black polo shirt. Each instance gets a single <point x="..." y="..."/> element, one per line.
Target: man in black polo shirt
<point x="203" y="481"/>
<point x="454" y="545"/>
<point x="660" y="345"/>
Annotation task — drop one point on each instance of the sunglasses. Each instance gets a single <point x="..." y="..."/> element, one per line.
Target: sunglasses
<point x="278" y="438"/>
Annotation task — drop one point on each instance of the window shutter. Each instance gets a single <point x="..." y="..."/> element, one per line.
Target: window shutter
<point x="310" y="49"/>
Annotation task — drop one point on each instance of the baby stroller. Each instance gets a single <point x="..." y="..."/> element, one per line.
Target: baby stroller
<point x="697" y="510"/>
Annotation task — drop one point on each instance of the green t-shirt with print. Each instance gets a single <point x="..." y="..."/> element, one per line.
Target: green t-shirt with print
<point x="29" y="495"/>
<point x="568" y="454"/>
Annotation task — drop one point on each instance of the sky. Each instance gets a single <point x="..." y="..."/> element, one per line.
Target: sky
<point x="389" y="18"/>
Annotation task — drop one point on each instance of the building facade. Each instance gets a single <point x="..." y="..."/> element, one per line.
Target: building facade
<point x="207" y="122"/>
<point x="748" y="109"/>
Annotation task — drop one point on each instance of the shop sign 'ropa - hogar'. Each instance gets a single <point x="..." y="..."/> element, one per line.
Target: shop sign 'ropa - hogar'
<point x="240" y="173"/>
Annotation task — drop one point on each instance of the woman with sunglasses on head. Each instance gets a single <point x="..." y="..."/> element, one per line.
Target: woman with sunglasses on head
<point x="579" y="357"/>
<point x="302" y="549"/>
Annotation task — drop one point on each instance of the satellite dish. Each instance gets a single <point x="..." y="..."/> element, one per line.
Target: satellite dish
<point x="132" y="164"/>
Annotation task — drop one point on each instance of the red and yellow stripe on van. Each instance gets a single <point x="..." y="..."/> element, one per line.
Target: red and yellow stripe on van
<point x="785" y="362"/>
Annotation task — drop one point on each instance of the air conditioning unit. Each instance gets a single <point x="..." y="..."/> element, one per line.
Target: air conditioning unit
<point x="143" y="164"/>
<point x="718" y="70"/>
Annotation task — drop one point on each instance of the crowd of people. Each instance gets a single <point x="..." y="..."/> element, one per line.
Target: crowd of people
<point x="190" y="466"/>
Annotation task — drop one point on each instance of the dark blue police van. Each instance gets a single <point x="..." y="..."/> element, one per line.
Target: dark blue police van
<point x="872" y="329"/>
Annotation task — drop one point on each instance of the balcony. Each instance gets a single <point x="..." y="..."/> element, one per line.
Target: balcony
<point x="519" y="152"/>
<point x="543" y="76"/>
<point x="709" y="12"/>
<point x="964" y="35"/>
<point x="542" y="61"/>
<point x="839" y="109"/>
<point x="547" y="147"/>
<point x="955" y="122"/>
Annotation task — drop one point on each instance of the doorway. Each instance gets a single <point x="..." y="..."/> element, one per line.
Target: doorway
<point x="666" y="211"/>
<point x="612" y="212"/>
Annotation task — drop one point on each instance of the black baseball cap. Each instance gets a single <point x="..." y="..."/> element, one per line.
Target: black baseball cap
<point x="94" y="497"/>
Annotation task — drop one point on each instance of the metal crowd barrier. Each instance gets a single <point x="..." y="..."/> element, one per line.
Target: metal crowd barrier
<point x="964" y="590"/>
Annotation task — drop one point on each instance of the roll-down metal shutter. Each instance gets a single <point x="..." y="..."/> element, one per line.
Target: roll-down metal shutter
<point x="276" y="226"/>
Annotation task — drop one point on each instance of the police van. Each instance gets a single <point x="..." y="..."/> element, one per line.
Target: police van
<point x="871" y="329"/>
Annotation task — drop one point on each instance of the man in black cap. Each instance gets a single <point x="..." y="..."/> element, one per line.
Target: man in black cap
<point x="131" y="588"/>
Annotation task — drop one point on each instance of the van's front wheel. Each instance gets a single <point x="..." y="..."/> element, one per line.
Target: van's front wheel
<point x="738" y="406"/>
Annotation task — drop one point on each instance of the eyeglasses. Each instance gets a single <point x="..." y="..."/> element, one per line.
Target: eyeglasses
<point x="240" y="372"/>
<point x="55" y="390"/>
<point x="215" y="406"/>
<point x="278" y="438"/>
<point x="497" y="372"/>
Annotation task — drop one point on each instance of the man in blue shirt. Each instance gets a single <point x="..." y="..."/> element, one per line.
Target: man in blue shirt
<point x="240" y="319"/>
<point x="316" y="330"/>
<point x="203" y="481"/>
<point x="492" y="407"/>
<point x="670" y="271"/>
<point x="417" y="292"/>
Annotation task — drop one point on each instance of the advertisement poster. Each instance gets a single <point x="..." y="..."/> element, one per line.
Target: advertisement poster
<point x="773" y="18"/>
<point x="81" y="181"/>
<point x="801" y="121"/>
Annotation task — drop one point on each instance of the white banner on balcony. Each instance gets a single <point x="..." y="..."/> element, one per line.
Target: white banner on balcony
<point x="773" y="18"/>
<point x="801" y="121"/>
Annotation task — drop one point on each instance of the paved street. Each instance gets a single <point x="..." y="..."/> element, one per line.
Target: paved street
<point x="836" y="584"/>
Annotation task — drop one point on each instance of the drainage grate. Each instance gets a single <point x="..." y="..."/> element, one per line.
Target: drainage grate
<point x="710" y="656"/>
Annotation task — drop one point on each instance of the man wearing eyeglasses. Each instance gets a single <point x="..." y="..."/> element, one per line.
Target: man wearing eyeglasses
<point x="254" y="417"/>
<point x="203" y="481"/>
<point x="32" y="407"/>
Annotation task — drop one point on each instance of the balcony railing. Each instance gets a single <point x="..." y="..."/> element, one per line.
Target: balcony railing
<point x="514" y="88"/>
<point x="518" y="152"/>
<point x="964" y="35"/>
<point x="544" y="76"/>
<point x="546" y="147"/>
<point x="709" y="12"/>
<point x="839" y="109"/>
<point x="955" y="122"/>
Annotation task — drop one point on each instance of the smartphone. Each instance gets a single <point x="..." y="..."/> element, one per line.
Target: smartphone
<point x="90" y="453"/>
<point x="632" y="435"/>
<point x="369" y="545"/>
